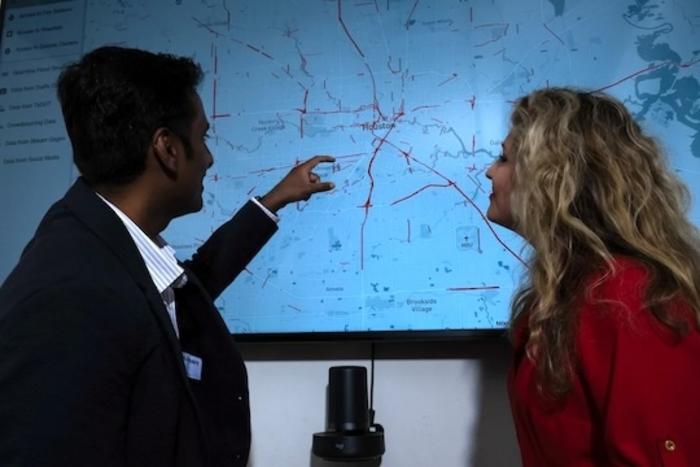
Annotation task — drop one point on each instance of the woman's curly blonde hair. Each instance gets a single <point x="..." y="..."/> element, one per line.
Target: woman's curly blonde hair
<point x="589" y="184"/>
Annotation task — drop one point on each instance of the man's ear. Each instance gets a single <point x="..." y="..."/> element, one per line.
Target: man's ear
<point x="167" y="149"/>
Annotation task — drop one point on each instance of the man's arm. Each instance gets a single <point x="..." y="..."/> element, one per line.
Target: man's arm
<point x="299" y="184"/>
<point x="233" y="245"/>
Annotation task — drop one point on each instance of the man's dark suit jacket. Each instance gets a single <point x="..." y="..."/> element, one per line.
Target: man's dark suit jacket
<point x="91" y="371"/>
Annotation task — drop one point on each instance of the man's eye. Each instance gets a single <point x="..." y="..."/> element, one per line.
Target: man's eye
<point x="502" y="158"/>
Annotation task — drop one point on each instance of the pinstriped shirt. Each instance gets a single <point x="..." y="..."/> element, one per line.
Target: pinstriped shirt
<point x="160" y="261"/>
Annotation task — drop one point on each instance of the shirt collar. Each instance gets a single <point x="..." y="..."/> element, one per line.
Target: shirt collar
<point x="159" y="257"/>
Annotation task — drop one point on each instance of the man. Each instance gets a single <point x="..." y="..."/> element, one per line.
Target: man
<point x="111" y="352"/>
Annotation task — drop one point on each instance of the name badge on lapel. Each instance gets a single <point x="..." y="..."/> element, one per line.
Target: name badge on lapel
<point x="193" y="366"/>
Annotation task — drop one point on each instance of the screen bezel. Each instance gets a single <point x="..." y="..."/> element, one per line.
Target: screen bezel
<point x="366" y="336"/>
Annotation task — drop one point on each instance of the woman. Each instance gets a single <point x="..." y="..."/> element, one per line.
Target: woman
<point x="606" y="328"/>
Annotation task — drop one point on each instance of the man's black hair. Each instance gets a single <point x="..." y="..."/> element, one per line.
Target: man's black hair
<point x="113" y="101"/>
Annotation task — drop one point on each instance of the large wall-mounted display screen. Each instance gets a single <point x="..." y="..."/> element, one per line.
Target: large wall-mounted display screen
<point x="412" y="97"/>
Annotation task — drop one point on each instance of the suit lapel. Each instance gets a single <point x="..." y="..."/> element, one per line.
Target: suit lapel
<point x="102" y="221"/>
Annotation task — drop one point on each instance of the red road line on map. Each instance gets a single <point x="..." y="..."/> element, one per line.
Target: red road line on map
<point x="281" y="167"/>
<point x="215" y="115"/>
<point x="213" y="104"/>
<point x="489" y="25"/>
<point x="228" y="27"/>
<point x="228" y="16"/>
<point x="261" y="52"/>
<point x="424" y="107"/>
<point x="473" y="204"/>
<point x="302" y="112"/>
<point x="689" y="64"/>
<point x="467" y="289"/>
<point x="501" y="36"/>
<point x="407" y="156"/>
<point x="410" y="15"/>
<point x="270" y="169"/>
<point x="374" y="93"/>
<point x="430" y="185"/>
<point x="357" y="154"/>
<point x="454" y="75"/>
<point x="342" y="23"/>
<point x="488" y="224"/>
<point x="368" y="202"/>
<point x="388" y="65"/>
<point x="553" y="33"/>
<point x="269" y="274"/>
<point x="649" y="68"/>
<point x="303" y="63"/>
<point x="207" y="27"/>
<point x="361" y="108"/>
